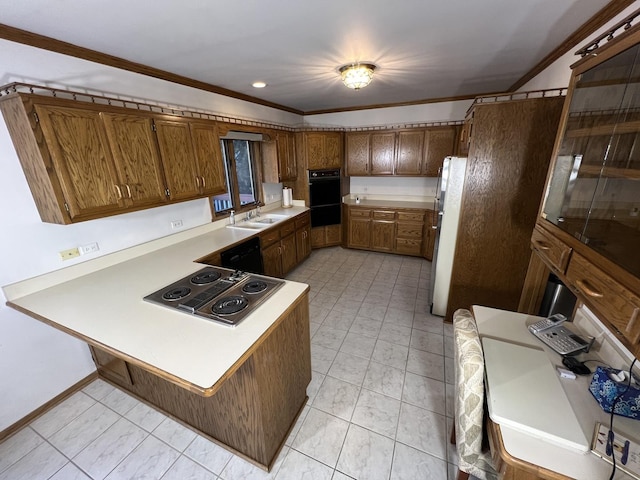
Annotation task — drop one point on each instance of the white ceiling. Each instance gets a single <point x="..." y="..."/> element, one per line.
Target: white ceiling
<point x="424" y="49"/>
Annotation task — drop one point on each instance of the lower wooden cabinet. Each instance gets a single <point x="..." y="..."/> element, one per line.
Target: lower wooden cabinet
<point x="278" y="246"/>
<point x="387" y="230"/>
<point x="327" y="236"/>
<point x="111" y="367"/>
<point x="303" y="236"/>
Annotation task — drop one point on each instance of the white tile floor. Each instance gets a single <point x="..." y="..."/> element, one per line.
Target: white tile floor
<point x="380" y="401"/>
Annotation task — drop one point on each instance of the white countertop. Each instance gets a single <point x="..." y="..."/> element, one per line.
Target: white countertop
<point x="511" y="327"/>
<point x="103" y="303"/>
<point x="426" y="203"/>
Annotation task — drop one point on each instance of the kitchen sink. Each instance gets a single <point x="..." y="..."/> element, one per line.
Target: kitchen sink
<point x="261" y="222"/>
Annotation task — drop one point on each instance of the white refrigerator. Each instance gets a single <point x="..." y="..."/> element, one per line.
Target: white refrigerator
<point x="448" y="202"/>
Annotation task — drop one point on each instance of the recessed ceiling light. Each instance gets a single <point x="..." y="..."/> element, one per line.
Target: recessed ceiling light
<point x="258" y="84"/>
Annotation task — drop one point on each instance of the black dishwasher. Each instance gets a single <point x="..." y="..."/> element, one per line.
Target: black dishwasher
<point x="245" y="256"/>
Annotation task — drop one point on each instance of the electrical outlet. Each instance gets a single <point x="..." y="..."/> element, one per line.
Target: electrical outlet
<point x="69" y="254"/>
<point x="176" y="224"/>
<point x="89" y="248"/>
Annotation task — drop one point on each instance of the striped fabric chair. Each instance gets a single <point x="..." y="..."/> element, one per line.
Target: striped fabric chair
<point x="473" y="459"/>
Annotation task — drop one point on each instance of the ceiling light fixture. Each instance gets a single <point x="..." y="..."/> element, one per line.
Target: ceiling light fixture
<point x="357" y="75"/>
<point x="258" y="84"/>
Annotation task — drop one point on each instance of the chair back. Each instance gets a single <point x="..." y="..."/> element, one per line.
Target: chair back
<point x="469" y="398"/>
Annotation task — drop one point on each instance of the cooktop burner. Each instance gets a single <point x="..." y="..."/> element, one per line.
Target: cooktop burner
<point x="217" y="294"/>
<point x="205" y="278"/>
<point x="230" y="305"/>
<point x="176" y="293"/>
<point x="255" y="286"/>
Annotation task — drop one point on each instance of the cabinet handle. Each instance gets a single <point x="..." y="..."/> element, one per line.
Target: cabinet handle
<point x="197" y="181"/>
<point x="543" y="246"/>
<point x="128" y="190"/>
<point x="584" y="286"/>
<point x="118" y="192"/>
<point x="204" y="182"/>
<point x="279" y="250"/>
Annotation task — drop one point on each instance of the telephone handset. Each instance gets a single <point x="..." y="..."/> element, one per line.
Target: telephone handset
<point x="545" y="323"/>
<point x="560" y="339"/>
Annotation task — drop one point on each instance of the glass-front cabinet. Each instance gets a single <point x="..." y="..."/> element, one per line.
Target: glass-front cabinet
<point x="588" y="232"/>
<point x="594" y="191"/>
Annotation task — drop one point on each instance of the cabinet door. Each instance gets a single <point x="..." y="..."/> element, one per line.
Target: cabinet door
<point x="79" y="147"/>
<point x="303" y="243"/>
<point x="315" y="150"/>
<point x="382" y="235"/>
<point x="333" y="150"/>
<point x="359" y="233"/>
<point x="271" y="258"/>
<point x="133" y="144"/>
<point x="178" y="159"/>
<point x="289" y="253"/>
<point x="358" y="153"/>
<point x="286" y="157"/>
<point x="429" y="235"/>
<point x="382" y="153"/>
<point x="439" y="142"/>
<point x="410" y="148"/>
<point x="208" y="155"/>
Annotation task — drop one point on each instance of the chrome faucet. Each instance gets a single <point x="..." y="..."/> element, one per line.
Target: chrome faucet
<point x="258" y="211"/>
<point x="248" y="216"/>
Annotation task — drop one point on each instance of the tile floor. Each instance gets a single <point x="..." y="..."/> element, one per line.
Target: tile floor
<point x="380" y="401"/>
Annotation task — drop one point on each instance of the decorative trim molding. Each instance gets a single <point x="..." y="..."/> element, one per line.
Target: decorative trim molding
<point x="612" y="9"/>
<point x="610" y="34"/>
<point x="24" y="421"/>
<point x="53" y="45"/>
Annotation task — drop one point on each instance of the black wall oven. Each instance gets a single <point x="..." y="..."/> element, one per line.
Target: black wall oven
<point x="325" y="197"/>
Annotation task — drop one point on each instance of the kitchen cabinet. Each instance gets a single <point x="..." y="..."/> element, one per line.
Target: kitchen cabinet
<point x="327" y="236"/>
<point x="279" y="158"/>
<point x="407" y="152"/>
<point x="410" y="152"/>
<point x="588" y="230"/>
<point x="278" y="247"/>
<point x="303" y="236"/>
<point x="370" y="153"/>
<point x="383" y="229"/>
<point x="136" y="158"/>
<point x="84" y="161"/>
<point x="509" y="154"/>
<point x="322" y="149"/>
<point x="389" y="230"/>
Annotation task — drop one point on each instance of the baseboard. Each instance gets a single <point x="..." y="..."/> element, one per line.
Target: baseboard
<point x="24" y="421"/>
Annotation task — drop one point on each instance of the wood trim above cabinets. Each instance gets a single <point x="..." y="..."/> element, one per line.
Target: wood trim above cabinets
<point x="400" y="152"/>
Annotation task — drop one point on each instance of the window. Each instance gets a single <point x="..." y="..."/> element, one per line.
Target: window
<point x="240" y="164"/>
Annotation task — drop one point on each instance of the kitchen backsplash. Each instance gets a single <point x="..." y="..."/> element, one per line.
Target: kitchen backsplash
<point x="393" y="186"/>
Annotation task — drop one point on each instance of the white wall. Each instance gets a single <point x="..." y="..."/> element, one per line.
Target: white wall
<point x="393" y="186"/>
<point x="38" y="362"/>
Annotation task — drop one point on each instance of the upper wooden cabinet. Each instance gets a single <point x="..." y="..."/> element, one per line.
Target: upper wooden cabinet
<point x="588" y="230"/>
<point x="279" y="158"/>
<point x="85" y="161"/>
<point x="410" y="152"/>
<point x="136" y="158"/>
<point x="322" y="149"/>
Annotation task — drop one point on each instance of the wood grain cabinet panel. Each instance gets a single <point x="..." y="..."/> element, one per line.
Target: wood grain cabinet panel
<point x="439" y="142"/>
<point x="322" y="149"/>
<point x="359" y="232"/>
<point x="211" y="178"/>
<point x="382" y="153"/>
<point x="79" y="147"/>
<point x="410" y="152"/>
<point x="178" y="158"/>
<point x="358" y="155"/>
<point x="606" y="296"/>
<point x="137" y="161"/>
<point x="303" y="236"/>
<point x="272" y="260"/>
<point x="555" y="252"/>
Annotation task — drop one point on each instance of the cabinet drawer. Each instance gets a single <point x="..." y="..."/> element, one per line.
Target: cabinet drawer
<point x="409" y="246"/>
<point x="384" y="215"/>
<point x="410" y="230"/>
<point x="269" y="237"/>
<point x="554" y="251"/>
<point x="411" y="216"/>
<point x="359" y="213"/>
<point x="615" y="302"/>
<point x="287" y="229"/>
<point x="302" y="220"/>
